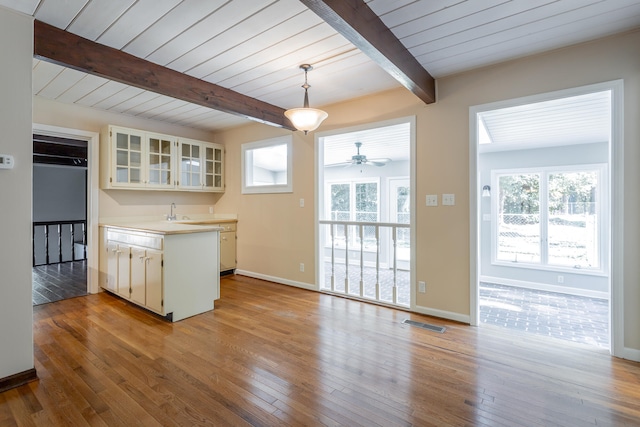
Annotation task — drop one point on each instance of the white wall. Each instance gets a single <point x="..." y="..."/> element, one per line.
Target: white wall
<point x="16" y="312"/>
<point x="59" y="193"/>
<point x="581" y="284"/>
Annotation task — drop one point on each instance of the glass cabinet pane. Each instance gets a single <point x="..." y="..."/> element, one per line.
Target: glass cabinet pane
<point x="218" y="154"/>
<point x="166" y="147"/>
<point x="135" y="159"/>
<point x="136" y="143"/>
<point x="122" y="158"/>
<point x="122" y="141"/>
<point x="154" y="145"/>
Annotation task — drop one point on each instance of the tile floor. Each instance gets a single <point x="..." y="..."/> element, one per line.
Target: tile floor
<point x="567" y="317"/>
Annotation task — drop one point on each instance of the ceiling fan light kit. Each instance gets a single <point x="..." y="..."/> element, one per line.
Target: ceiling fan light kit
<point x="306" y="119"/>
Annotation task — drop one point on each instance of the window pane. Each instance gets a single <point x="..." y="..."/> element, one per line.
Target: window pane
<point x="518" y="226"/>
<point x="268" y="165"/>
<point x="573" y="219"/>
<point x="367" y="202"/>
<point x="340" y="202"/>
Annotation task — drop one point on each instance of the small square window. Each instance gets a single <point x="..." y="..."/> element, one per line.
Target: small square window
<point x="267" y="166"/>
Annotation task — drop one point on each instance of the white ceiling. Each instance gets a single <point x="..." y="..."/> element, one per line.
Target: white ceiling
<point x="581" y="119"/>
<point x="254" y="47"/>
<point x="388" y="142"/>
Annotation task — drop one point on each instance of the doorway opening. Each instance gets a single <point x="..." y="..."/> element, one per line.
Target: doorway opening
<point x="65" y="157"/>
<point x="365" y="208"/>
<point x="59" y="218"/>
<point x="543" y="209"/>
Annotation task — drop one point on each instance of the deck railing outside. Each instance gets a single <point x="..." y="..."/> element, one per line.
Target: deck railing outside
<point x="367" y="260"/>
<point x="59" y="241"/>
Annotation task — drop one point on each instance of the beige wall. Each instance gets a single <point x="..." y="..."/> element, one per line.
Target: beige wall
<point x="117" y="203"/>
<point x="16" y="313"/>
<point x="275" y="234"/>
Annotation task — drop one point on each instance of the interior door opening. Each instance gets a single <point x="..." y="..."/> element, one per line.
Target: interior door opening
<point x="543" y="215"/>
<point x="59" y="218"/>
<point x="365" y="206"/>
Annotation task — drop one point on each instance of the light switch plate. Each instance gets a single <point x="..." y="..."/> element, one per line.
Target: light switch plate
<point x="432" y="200"/>
<point x="448" y="199"/>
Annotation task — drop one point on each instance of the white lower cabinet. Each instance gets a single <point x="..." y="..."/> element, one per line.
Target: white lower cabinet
<point x="135" y="269"/>
<point x="146" y="278"/>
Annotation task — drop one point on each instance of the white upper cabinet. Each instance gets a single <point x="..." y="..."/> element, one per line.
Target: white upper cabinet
<point x="140" y="160"/>
<point x="200" y="166"/>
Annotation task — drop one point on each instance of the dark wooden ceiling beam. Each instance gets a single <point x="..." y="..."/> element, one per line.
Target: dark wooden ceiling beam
<point x="362" y="27"/>
<point x="61" y="47"/>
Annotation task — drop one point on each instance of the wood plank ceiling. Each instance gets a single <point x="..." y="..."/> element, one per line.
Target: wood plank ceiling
<point x="254" y="47"/>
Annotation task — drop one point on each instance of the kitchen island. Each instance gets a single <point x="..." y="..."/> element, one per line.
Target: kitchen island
<point x="169" y="268"/>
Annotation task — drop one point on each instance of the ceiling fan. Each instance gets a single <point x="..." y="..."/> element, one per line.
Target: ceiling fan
<point x="361" y="159"/>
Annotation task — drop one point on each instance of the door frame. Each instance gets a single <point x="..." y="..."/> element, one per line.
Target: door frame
<point x="319" y="193"/>
<point x="93" y="165"/>
<point x="616" y="200"/>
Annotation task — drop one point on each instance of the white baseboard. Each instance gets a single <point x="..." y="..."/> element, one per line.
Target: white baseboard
<point x="449" y="315"/>
<point x="545" y="287"/>
<point x="631" y="354"/>
<point x="277" y="280"/>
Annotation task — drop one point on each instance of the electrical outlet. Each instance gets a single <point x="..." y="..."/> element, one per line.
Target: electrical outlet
<point x="210" y="209"/>
<point x="432" y="200"/>
<point x="560" y="279"/>
<point x="448" y="199"/>
<point x="422" y="287"/>
<point x="302" y="267"/>
<point x="302" y="203"/>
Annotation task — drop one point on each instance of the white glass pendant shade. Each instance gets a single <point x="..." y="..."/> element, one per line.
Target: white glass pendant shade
<point x="306" y="119"/>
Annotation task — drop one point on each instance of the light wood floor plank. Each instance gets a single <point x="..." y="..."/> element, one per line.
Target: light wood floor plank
<point x="273" y="355"/>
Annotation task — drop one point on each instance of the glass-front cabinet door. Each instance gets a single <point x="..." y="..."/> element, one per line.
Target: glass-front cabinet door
<point x="160" y="164"/>
<point x="190" y="164"/>
<point x="128" y="157"/>
<point x="213" y="168"/>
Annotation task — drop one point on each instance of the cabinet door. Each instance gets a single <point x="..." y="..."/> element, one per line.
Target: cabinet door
<point x="138" y="275"/>
<point x="190" y="165"/>
<point x="213" y="168"/>
<point x="128" y="170"/>
<point x="124" y="267"/>
<point x="111" y="282"/>
<point x="227" y="250"/>
<point x="160" y="168"/>
<point x="154" y="289"/>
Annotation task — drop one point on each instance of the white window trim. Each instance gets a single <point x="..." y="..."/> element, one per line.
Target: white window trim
<point x="264" y="189"/>
<point x="603" y="209"/>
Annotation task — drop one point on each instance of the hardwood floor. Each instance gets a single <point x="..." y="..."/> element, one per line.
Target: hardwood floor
<point x="272" y="355"/>
<point x="56" y="282"/>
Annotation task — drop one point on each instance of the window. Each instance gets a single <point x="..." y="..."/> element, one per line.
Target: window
<point x="354" y="201"/>
<point x="267" y="166"/>
<point x="550" y="217"/>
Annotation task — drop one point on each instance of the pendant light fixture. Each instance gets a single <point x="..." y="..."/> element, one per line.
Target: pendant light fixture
<point x="306" y="118"/>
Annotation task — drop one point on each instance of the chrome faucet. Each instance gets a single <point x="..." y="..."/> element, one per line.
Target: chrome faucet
<point x="172" y="216"/>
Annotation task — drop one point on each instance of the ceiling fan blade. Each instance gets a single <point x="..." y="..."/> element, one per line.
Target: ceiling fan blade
<point x="371" y="162"/>
<point x="332" y="165"/>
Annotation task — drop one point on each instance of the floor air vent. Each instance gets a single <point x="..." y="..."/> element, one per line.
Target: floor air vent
<point x="434" y="328"/>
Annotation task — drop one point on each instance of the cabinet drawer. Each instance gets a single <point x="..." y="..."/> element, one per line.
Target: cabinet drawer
<point x="146" y="240"/>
